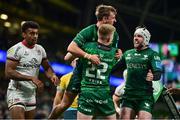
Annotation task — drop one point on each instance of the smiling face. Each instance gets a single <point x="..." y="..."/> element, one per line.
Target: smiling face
<point x="31" y="36"/>
<point x="138" y="41"/>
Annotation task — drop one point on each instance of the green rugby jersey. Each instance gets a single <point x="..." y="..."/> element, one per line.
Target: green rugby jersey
<point x="89" y="34"/>
<point x="138" y="64"/>
<point x="94" y="76"/>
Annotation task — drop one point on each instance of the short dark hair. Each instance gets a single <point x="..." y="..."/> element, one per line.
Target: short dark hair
<point x="29" y="24"/>
<point x="104" y="11"/>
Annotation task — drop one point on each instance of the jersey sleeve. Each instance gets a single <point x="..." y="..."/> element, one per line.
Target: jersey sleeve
<point x="14" y="53"/>
<point x="44" y="55"/>
<point x="81" y="37"/>
<point x="62" y="85"/>
<point x="115" y="40"/>
<point x="156" y="62"/>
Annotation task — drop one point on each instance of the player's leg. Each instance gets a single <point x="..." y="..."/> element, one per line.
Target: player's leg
<point x="30" y="114"/>
<point x="66" y="102"/>
<point x="144" y="108"/>
<point x="69" y="95"/>
<point x="30" y="110"/>
<point x="128" y="109"/>
<point x="110" y="117"/>
<point x="104" y="105"/>
<point x="81" y="116"/>
<point x="127" y="113"/>
<point x="17" y="112"/>
<point x="144" y="115"/>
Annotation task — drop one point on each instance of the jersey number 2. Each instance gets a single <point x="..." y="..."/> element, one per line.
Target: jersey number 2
<point x="97" y="71"/>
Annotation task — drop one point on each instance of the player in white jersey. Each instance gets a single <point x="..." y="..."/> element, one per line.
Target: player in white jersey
<point x="22" y="68"/>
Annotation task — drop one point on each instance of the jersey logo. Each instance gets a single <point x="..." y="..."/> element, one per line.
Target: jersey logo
<point x="26" y="53"/>
<point x="157" y="58"/>
<point x="136" y="54"/>
<point x="38" y="52"/>
<point x="145" y="56"/>
<point x="147" y="104"/>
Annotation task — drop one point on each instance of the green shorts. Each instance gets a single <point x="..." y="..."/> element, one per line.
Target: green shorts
<point x="139" y="104"/>
<point x="96" y="102"/>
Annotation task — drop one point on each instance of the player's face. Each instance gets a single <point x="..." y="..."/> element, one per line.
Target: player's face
<point x="31" y="36"/>
<point x="138" y="41"/>
<point x="111" y="19"/>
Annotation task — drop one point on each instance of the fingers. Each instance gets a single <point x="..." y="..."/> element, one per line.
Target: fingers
<point x="118" y="54"/>
<point x="55" y="80"/>
<point x="149" y="76"/>
<point x="95" y="59"/>
<point x="39" y="84"/>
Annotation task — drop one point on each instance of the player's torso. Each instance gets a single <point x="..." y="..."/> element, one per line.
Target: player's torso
<point x="138" y="65"/>
<point x="29" y="64"/>
<point x="30" y="60"/>
<point x="97" y="75"/>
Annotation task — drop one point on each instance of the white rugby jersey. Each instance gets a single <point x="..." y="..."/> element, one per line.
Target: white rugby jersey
<point x="29" y="63"/>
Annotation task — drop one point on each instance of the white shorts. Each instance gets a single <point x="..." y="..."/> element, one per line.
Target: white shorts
<point x="21" y="99"/>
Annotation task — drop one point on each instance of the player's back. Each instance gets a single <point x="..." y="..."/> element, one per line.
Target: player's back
<point x="97" y="76"/>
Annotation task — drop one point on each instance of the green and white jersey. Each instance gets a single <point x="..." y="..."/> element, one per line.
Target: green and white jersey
<point x="138" y="64"/>
<point x="89" y="34"/>
<point x="94" y="76"/>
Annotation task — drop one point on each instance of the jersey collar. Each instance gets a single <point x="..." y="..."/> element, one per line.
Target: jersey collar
<point x="24" y="42"/>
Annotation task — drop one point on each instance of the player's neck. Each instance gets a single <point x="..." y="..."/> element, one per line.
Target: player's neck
<point x="24" y="42"/>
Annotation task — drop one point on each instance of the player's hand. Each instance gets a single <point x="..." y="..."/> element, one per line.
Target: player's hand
<point x="95" y="59"/>
<point x="118" y="54"/>
<point x="55" y="80"/>
<point x="173" y="90"/>
<point x="39" y="84"/>
<point x="149" y="76"/>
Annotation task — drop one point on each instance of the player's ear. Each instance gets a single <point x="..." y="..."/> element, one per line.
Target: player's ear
<point x="23" y="34"/>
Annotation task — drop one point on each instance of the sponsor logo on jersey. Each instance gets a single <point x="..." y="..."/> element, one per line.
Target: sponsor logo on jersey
<point x="33" y="63"/>
<point x="38" y="52"/>
<point x="26" y="53"/>
<point x="136" y="54"/>
<point x="136" y="65"/>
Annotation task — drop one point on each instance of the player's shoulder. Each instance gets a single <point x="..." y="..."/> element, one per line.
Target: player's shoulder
<point x="15" y="47"/>
<point x="89" y="28"/>
<point x="39" y="46"/>
<point x="129" y="51"/>
<point x="19" y="44"/>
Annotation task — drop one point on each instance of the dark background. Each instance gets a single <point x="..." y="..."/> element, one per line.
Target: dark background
<point x="61" y="20"/>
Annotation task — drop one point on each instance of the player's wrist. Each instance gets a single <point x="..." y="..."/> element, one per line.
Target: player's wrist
<point x="87" y="56"/>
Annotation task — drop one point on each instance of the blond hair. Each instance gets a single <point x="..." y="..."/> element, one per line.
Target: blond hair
<point x="105" y="30"/>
